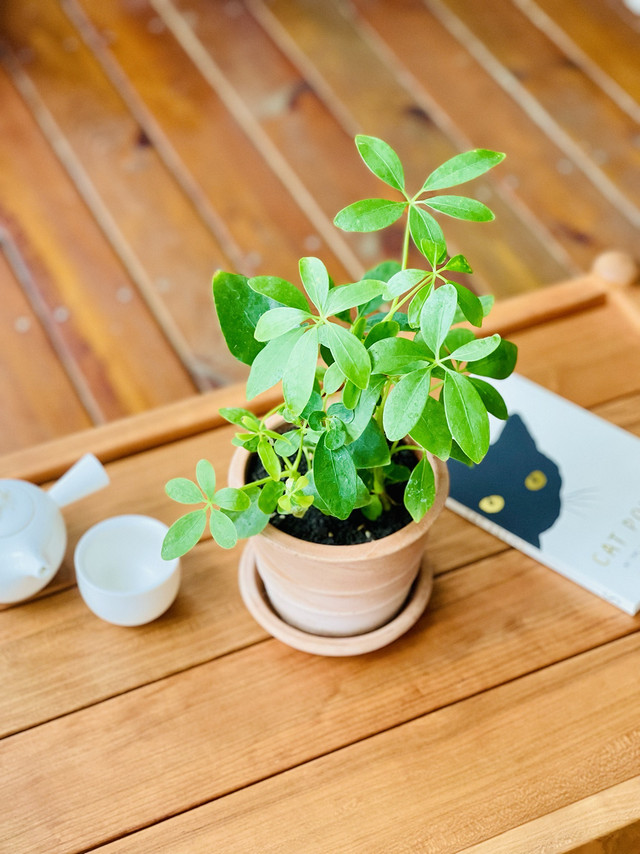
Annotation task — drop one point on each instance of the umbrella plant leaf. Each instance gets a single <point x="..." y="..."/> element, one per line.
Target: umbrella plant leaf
<point x="184" y="534"/>
<point x="315" y="279"/>
<point x="491" y="398"/>
<point x="499" y="364"/>
<point x="437" y="315"/>
<point x="206" y="477"/>
<point x="466" y="415"/>
<point x="424" y="227"/>
<point x="279" y="290"/>
<point x="431" y="430"/>
<point x="382" y="160"/>
<point x="462" y="168"/>
<point x="369" y="215"/>
<point x="277" y="321"/>
<point x="239" y="309"/>
<point x="269" y="365"/>
<point x="349" y="352"/>
<point x="461" y="207"/>
<point x="300" y="371"/>
<point x="184" y="491"/>
<point x="349" y="296"/>
<point x="335" y="478"/>
<point x="405" y="403"/>
<point x="477" y="349"/>
<point x="229" y="498"/>
<point x="420" y="491"/>
<point x="222" y="529"/>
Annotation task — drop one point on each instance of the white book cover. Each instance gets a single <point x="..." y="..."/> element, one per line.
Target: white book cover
<point x="562" y="485"/>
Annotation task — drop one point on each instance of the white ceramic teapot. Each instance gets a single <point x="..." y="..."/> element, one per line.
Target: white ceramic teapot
<point x="33" y="534"/>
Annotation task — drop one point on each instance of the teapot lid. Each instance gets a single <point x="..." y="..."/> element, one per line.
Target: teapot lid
<point x="16" y="508"/>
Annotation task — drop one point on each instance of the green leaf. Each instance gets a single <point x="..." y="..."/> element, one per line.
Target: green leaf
<point x="405" y="403"/>
<point x="349" y="352"/>
<point x="401" y="282"/>
<point x="458" y="264"/>
<point x="288" y="443"/>
<point x="393" y="355"/>
<point x="184" y="491"/>
<point x="278" y="321"/>
<point x="349" y="296"/>
<point x="469" y="304"/>
<point x="461" y="207"/>
<point x="479" y="348"/>
<point x="351" y="395"/>
<point x="382" y="160"/>
<point x="382" y="330"/>
<point x="270" y="363"/>
<point x="333" y="378"/>
<point x="315" y="279"/>
<point x="229" y="498"/>
<point x="369" y="215"/>
<point x="424" y="227"/>
<point x="371" y="448"/>
<point x="239" y="309"/>
<point x="466" y="416"/>
<point x="335" y="479"/>
<point x="184" y="534"/>
<point x="206" y="477"/>
<point x="372" y="510"/>
<point x="269" y="495"/>
<point x="499" y="365"/>
<point x="491" y="398"/>
<point x="361" y="415"/>
<point x="279" y="290"/>
<point x="462" y="168"/>
<point x="431" y="431"/>
<point x="222" y="529"/>
<point x="420" y="491"/>
<point x="336" y="435"/>
<point x="415" y="306"/>
<point x="269" y="458"/>
<point x="384" y="270"/>
<point x="299" y="374"/>
<point x="437" y="316"/>
<point x="235" y="415"/>
<point x="458" y="336"/>
<point x="249" y="522"/>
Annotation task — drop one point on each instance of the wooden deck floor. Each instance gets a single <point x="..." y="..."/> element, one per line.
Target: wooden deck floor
<point x="145" y="143"/>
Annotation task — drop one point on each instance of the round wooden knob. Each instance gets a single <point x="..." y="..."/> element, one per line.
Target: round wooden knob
<point x="618" y="268"/>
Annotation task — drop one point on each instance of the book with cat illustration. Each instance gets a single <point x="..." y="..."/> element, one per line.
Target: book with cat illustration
<point x="561" y="485"/>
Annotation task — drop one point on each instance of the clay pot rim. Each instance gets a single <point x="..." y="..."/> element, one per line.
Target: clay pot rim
<point x="357" y="551"/>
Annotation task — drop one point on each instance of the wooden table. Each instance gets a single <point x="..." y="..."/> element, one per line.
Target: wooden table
<point x="506" y="721"/>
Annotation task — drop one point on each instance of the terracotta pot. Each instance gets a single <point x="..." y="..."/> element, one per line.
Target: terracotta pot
<point x="340" y="591"/>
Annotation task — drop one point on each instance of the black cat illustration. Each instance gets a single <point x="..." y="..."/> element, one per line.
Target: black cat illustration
<point x="516" y="486"/>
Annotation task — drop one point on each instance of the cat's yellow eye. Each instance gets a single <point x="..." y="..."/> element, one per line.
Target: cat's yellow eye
<point x="535" y="480"/>
<point x="491" y="503"/>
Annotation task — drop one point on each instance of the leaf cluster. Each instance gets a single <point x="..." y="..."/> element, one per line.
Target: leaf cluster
<point x="367" y="368"/>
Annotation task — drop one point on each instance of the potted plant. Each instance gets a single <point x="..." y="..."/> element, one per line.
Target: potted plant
<point x="383" y="380"/>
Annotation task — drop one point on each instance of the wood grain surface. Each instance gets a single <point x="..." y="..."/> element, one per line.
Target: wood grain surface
<point x="146" y="143"/>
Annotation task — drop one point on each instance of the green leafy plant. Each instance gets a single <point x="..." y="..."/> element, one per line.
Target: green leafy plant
<point x="368" y="368"/>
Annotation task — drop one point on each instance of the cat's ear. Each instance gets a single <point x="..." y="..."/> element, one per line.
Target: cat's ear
<point x="515" y="430"/>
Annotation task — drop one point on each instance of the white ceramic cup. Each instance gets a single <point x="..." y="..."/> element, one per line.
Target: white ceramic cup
<point x="120" y="573"/>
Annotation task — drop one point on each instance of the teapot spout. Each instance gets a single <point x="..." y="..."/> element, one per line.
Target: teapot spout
<point x="86" y="476"/>
<point x="33" y="565"/>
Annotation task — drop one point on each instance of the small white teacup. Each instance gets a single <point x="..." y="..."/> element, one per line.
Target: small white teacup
<point x="120" y="573"/>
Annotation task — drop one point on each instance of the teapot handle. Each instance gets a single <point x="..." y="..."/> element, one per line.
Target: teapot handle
<point x="84" y="477"/>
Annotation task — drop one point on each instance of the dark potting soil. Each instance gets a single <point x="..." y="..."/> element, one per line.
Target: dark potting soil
<point x="315" y="527"/>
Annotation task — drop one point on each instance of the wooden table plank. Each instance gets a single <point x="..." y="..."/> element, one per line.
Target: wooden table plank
<point x="593" y="129"/>
<point x="438" y="783"/>
<point x="85" y="293"/>
<point x="198" y="116"/>
<point x="38" y="402"/>
<point x="168" y="248"/>
<point x="543" y="173"/>
<point x="383" y="99"/>
<point x="606" y="34"/>
<point x="228" y="723"/>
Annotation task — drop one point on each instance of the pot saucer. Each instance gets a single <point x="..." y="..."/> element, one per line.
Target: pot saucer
<point x="258" y="605"/>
